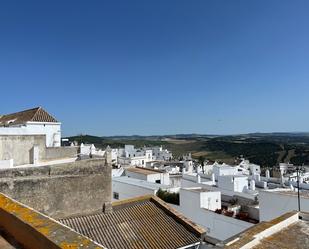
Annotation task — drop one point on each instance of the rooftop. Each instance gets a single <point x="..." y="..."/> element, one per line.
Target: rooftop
<point x="198" y="190"/>
<point x="294" y="236"/>
<point x="24" y="228"/>
<point x="37" y="114"/>
<point x="290" y="230"/>
<point x="142" y="222"/>
<point x="144" y="171"/>
<point x="140" y="183"/>
<point x="283" y="191"/>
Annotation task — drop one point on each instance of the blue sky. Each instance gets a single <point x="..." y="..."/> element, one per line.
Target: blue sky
<point x="158" y="67"/>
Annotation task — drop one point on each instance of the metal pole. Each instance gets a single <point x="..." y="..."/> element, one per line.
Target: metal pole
<point x="297" y="170"/>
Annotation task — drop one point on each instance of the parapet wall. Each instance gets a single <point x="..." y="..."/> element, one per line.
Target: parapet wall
<point x="18" y="147"/>
<point x="60" y="152"/>
<point x="30" y="229"/>
<point x="60" y="190"/>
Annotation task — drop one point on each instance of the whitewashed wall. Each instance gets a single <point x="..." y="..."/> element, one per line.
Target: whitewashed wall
<point x="51" y="130"/>
<point x="128" y="191"/>
<point x="218" y="226"/>
<point x="273" y="204"/>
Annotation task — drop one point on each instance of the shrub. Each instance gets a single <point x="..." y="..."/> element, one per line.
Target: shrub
<point x="168" y="197"/>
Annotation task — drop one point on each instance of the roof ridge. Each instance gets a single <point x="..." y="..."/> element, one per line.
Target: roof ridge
<point x="20" y="112"/>
<point x="36" y="113"/>
<point x="39" y="112"/>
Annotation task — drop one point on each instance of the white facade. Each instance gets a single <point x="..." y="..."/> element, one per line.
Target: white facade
<point x="124" y="187"/>
<point x="52" y="131"/>
<point x="160" y="154"/>
<point x="274" y="203"/>
<point x="203" y="198"/>
<point x="233" y="183"/>
<point x="155" y="177"/>
<point x="224" y="170"/>
<point x="194" y="205"/>
<point x="188" y="181"/>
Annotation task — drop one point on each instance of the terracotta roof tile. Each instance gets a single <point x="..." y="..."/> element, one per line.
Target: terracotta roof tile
<point x="144" y="171"/>
<point x="37" y="114"/>
<point x="143" y="223"/>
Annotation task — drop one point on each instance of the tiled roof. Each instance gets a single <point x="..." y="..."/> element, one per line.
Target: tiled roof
<point x="37" y="114"/>
<point x="145" y="171"/>
<point x="145" y="222"/>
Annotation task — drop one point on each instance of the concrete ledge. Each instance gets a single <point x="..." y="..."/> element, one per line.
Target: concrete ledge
<point x="32" y="229"/>
<point x="254" y="235"/>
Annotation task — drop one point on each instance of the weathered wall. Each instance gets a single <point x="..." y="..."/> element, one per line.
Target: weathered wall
<point x="61" y="152"/>
<point x="19" y="147"/>
<point x="30" y="229"/>
<point x="60" y="190"/>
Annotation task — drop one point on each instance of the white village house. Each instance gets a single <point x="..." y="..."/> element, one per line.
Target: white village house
<point x="34" y="121"/>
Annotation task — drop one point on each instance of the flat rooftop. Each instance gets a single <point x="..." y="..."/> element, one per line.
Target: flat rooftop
<point x="302" y="193"/>
<point x="294" y="236"/>
<point x="139" y="183"/>
<point x="144" y="171"/>
<point x="199" y="190"/>
<point x="290" y="230"/>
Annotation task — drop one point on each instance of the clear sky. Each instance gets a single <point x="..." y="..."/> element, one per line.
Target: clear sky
<point x="158" y="67"/>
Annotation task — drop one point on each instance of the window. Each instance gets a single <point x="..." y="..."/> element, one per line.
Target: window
<point x="116" y="195"/>
<point x="158" y="181"/>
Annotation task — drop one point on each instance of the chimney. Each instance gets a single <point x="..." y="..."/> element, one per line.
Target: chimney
<point x="198" y="179"/>
<point x="267" y="174"/>
<point x="252" y="185"/>
<point x="107" y="208"/>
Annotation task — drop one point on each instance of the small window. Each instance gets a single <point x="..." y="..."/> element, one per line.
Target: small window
<point x="158" y="181"/>
<point x="116" y="195"/>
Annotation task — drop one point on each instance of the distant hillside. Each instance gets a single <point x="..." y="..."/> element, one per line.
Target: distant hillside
<point x="261" y="148"/>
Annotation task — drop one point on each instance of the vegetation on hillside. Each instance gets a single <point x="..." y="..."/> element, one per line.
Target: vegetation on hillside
<point x="265" y="150"/>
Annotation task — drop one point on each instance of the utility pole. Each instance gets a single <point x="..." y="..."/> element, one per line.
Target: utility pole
<point x="297" y="170"/>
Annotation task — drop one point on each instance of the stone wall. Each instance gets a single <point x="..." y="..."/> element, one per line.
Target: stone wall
<point x="19" y="147"/>
<point x="61" y="152"/>
<point x="23" y="227"/>
<point x="60" y="190"/>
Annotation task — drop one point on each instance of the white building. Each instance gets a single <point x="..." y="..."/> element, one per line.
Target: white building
<point x="223" y="170"/>
<point x="251" y="167"/>
<point x="125" y="187"/>
<point x="149" y="175"/>
<point x="160" y="154"/>
<point x="34" y="121"/>
<point x="199" y="204"/>
<point x="129" y="156"/>
<point x="233" y="183"/>
<point x="276" y="202"/>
